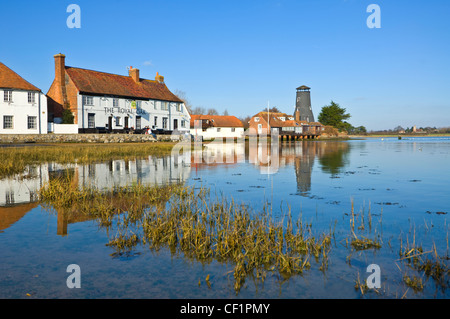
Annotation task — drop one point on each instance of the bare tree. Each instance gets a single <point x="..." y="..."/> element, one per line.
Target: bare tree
<point x="225" y="113"/>
<point x="272" y="110"/>
<point x="212" y="111"/>
<point x="182" y="96"/>
<point x="245" y="121"/>
<point x="198" y="110"/>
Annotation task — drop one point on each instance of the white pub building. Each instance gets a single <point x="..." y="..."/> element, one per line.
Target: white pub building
<point x="105" y="102"/>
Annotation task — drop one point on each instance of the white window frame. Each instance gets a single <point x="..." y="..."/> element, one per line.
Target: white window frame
<point x="117" y="121"/>
<point x="88" y="100"/>
<point x="12" y="122"/>
<point x="165" y="122"/>
<point x="256" y="119"/>
<point x="33" y="122"/>
<point x="7" y="96"/>
<point x="138" y="122"/>
<point x="32" y="97"/>
<point x="115" y="102"/>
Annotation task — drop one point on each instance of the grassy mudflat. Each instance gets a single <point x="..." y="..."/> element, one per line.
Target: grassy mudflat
<point x="13" y="160"/>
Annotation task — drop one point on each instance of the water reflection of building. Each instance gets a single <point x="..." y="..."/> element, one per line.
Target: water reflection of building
<point x="215" y="154"/>
<point x="301" y="155"/>
<point x="19" y="193"/>
<point x="270" y="157"/>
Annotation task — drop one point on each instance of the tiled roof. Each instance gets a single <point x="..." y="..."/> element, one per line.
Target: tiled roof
<point x="276" y="122"/>
<point x="100" y="83"/>
<point x="218" y="120"/>
<point x="11" y="80"/>
<point x="274" y="119"/>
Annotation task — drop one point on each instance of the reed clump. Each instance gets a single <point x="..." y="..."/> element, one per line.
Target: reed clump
<point x="428" y="262"/>
<point x="361" y="224"/>
<point x="413" y="282"/>
<point x="226" y="231"/>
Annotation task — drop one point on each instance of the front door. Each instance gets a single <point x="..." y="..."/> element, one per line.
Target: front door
<point x="126" y="122"/>
<point x="110" y="123"/>
<point x="175" y="124"/>
<point x="259" y="128"/>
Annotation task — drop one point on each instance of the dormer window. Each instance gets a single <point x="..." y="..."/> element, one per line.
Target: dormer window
<point x="282" y="119"/>
<point x="291" y="118"/>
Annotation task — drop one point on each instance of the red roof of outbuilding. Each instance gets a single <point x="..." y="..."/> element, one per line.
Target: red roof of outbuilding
<point x="11" y="80"/>
<point x="218" y="120"/>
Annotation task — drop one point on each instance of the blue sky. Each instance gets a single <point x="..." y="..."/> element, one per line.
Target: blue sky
<point x="242" y="55"/>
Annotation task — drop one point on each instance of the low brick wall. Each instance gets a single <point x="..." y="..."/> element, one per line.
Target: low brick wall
<point x="78" y="138"/>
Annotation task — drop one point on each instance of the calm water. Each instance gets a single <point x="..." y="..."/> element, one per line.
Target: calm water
<point x="404" y="184"/>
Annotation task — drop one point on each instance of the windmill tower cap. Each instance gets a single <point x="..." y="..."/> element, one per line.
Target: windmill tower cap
<point x="303" y="87"/>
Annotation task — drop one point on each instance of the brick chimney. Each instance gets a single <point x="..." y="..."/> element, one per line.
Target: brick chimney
<point x="297" y="115"/>
<point x="159" y="78"/>
<point x="134" y="73"/>
<point x="60" y="69"/>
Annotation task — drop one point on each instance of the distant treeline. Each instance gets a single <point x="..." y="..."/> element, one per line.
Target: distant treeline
<point x="410" y="130"/>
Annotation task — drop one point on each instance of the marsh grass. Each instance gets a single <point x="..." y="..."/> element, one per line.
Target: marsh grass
<point x="192" y="223"/>
<point x="14" y="160"/>
<point x="428" y="262"/>
<point x="413" y="282"/>
<point x="197" y="226"/>
<point x="361" y="227"/>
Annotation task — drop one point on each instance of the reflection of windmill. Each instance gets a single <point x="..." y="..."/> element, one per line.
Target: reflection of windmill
<point x="304" y="162"/>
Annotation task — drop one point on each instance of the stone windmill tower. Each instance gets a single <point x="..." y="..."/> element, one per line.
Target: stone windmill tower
<point x="303" y="111"/>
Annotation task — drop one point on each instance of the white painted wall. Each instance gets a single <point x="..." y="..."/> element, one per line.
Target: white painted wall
<point x="65" y="128"/>
<point x="218" y="132"/>
<point x="103" y="108"/>
<point x="20" y="109"/>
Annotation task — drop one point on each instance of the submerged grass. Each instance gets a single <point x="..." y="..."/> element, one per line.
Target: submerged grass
<point x="14" y="160"/>
<point x="188" y="221"/>
<point x="429" y="263"/>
